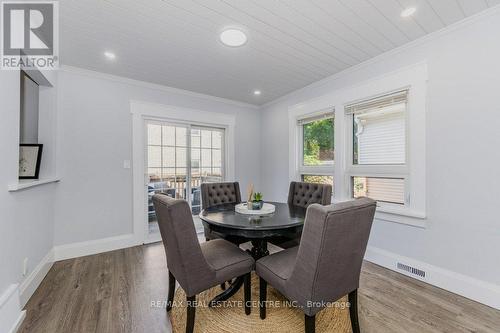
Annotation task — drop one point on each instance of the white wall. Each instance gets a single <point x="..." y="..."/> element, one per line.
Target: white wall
<point x="27" y="216"/>
<point x="463" y="118"/>
<point x="94" y="198"/>
<point x="88" y="114"/>
<point x="29" y="114"/>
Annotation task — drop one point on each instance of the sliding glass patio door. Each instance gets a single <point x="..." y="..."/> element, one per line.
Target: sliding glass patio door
<point x="179" y="157"/>
<point x="206" y="161"/>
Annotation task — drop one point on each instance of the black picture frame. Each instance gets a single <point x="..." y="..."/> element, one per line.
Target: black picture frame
<point x="37" y="163"/>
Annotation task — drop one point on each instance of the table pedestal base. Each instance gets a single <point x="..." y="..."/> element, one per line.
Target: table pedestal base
<point x="259" y="250"/>
<point x="230" y="291"/>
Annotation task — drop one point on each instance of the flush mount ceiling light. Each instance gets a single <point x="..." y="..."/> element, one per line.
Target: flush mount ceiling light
<point x="257" y="92"/>
<point x="408" y="12"/>
<point x="233" y="37"/>
<point x="110" y="55"/>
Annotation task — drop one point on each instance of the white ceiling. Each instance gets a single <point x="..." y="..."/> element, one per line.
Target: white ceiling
<point x="291" y="43"/>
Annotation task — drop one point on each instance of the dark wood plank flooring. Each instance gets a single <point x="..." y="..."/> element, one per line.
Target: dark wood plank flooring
<point x="113" y="292"/>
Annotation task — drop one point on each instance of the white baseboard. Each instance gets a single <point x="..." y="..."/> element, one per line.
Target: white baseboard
<point x="472" y="288"/>
<point x="11" y="315"/>
<point x="18" y="322"/>
<point x="69" y="251"/>
<point x="31" y="283"/>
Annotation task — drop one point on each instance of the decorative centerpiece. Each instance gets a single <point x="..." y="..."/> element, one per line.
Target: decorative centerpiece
<point x="254" y="201"/>
<point x="249" y="196"/>
<point x="257" y="202"/>
<point x="254" y="204"/>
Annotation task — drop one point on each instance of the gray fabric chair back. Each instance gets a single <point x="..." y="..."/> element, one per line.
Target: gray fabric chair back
<point x="331" y="252"/>
<point x="184" y="256"/>
<point x="304" y="194"/>
<point x="215" y="194"/>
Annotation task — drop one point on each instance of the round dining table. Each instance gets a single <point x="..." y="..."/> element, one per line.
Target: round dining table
<point x="285" y="221"/>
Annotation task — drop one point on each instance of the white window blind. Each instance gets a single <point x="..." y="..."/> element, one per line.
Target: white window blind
<point x="389" y="190"/>
<point x="381" y="140"/>
<point x="324" y="114"/>
<point x="380" y="130"/>
<point x="377" y="103"/>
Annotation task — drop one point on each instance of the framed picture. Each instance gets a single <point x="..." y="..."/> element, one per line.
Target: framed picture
<point x="30" y="156"/>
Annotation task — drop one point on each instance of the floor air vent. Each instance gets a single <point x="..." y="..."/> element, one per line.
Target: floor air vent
<point x="411" y="270"/>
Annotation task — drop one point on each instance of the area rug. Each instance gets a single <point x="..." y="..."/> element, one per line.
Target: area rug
<point x="230" y="316"/>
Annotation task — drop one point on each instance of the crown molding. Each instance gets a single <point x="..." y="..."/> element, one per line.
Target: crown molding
<point x="149" y="85"/>
<point x="422" y="40"/>
<point x="383" y="56"/>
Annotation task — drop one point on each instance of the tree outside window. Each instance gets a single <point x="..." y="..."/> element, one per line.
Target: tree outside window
<point x="318" y="141"/>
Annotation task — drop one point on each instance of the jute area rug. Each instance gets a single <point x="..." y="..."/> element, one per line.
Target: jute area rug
<point x="229" y="317"/>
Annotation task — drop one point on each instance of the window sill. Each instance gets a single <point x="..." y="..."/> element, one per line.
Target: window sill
<point x="399" y="215"/>
<point x="402" y="216"/>
<point x="27" y="183"/>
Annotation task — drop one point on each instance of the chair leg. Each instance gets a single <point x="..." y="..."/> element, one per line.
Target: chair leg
<point x="248" y="293"/>
<point x="191" y="311"/>
<point x="171" y="290"/>
<point x="310" y="323"/>
<point x="262" y="298"/>
<point x="353" y="310"/>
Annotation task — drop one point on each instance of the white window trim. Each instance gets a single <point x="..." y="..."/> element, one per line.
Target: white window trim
<point x="412" y="77"/>
<point x="142" y="111"/>
<point x="382" y="171"/>
<point x="296" y="165"/>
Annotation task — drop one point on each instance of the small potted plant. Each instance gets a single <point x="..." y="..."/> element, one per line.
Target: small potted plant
<point x="257" y="202"/>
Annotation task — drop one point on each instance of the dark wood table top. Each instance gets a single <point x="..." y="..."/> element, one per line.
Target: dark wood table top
<point x="223" y="219"/>
<point x="284" y="219"/>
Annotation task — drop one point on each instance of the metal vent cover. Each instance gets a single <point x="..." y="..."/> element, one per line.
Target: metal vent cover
<point x="411" y="270"/>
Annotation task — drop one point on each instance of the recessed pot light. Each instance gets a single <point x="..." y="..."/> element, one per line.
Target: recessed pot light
<point x="110" y="55"/>
<point x="408" y="12"/>
<point x="233" y="37"/>
<point x="257" y="92"/>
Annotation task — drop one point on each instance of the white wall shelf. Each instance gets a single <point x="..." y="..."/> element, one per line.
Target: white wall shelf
<point x="27" y="183"/>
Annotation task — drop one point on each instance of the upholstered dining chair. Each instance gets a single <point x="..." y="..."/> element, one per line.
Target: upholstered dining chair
<point x="302" y="195"/>
<point x="197" y="267"/>
<point x="326" y="265"/>
<point x="216" y="194"/>
<point x="220" y="194"/>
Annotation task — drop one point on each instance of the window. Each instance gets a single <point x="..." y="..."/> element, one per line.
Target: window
<point x="317" y="179"/>
<point x="180" y="158"/>
<point x="380" y="147"/>
<point x="389" y="190"/>
<point x="317" y="147"/>
<point x="378" y="166"/>
<point x="206" y="154"/>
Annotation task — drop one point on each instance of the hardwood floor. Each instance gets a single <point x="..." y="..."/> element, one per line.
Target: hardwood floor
<point x="113" y="292"/>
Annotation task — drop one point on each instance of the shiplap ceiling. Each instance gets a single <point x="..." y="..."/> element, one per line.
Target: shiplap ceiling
<point x="291" y="43"/>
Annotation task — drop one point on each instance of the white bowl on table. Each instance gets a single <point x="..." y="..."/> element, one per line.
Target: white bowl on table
<point x="267" y="208"/>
